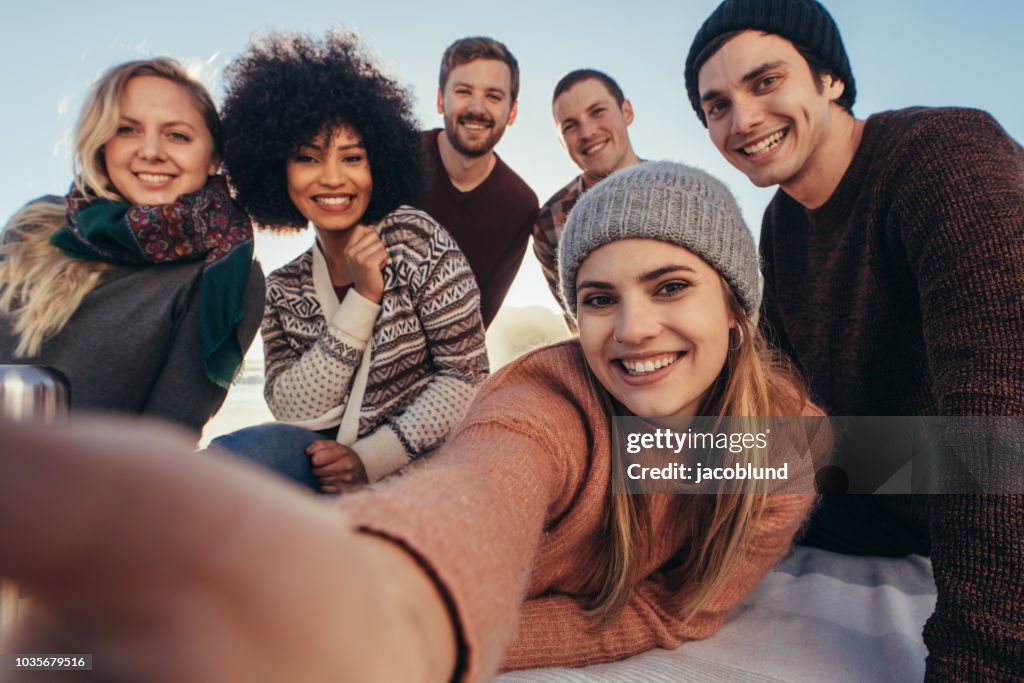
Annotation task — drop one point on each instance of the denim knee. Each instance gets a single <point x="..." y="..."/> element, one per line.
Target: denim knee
<point x="277" y="446"/>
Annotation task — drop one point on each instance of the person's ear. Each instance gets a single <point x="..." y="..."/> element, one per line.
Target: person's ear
<point x="834" y="86"/>
<point x="512" y="113"/>
<point x="440" y="102"/>
<point x="627" y="111"/>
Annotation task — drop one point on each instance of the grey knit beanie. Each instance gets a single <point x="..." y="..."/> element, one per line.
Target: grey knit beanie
<point x="669" y="202"/>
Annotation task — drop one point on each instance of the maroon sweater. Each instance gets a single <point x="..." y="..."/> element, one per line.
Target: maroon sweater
<point x="491" y="223"/>
<point x="904" y="295"/>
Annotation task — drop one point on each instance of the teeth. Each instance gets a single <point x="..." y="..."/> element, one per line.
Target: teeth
<point x="765" y="144"/>
<point x="595" y="148"/>
<point x="650" y="365"/>
<point x="333" y="201"/>
<point x="154" y="177"/>
<point x="476" y="126"/>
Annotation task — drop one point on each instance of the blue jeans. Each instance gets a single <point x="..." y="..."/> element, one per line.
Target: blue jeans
<point x="277" y="446"/>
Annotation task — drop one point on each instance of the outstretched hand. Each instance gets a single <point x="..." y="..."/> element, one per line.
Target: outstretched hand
<point x="168" y="566"/>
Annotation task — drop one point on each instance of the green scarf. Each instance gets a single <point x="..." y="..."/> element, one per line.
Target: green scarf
<point x="206" y="224"/>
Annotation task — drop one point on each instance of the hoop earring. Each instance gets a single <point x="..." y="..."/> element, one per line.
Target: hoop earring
<point x="739" y="339"/>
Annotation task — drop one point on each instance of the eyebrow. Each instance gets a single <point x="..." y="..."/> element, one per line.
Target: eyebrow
<point x="168" y="124"/>
<point x="603" y="102"/>
<point x="566" y="120"/>
<point x="320" y="148"/>
<point x="646" y="277"/>
<point x="758" y="71"/>
<point x="751" y="75"/>
<point x="665" y="270"/>
<point x="486" y="88"/>
<point x="593" y="284"/>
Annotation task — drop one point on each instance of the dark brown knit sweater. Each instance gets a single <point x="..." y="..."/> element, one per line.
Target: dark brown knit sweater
<point x="491" y="223"/>
<point x="904" y="295"/>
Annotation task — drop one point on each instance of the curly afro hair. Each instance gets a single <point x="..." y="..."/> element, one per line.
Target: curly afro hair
<point x="287" y="89"/>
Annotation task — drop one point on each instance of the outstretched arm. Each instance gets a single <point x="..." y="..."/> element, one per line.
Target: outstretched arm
<point x="169" y="566"/>
<point x="555" y="629"/>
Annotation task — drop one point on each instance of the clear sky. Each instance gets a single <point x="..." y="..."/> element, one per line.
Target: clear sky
<point x="903" y="52"/>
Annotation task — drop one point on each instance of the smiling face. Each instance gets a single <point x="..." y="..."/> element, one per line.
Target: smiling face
<point x="654" y="325"/>
<point x="766" y="114"/>
<point x="329" y="181"/>
<point x="162" y="148"/>
<point x="592" y="128"/>
<point x="477" y="105"/>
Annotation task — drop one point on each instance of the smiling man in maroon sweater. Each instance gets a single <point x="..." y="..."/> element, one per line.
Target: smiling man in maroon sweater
<point x="483" y="203"/>
<point x="893" y="257"/>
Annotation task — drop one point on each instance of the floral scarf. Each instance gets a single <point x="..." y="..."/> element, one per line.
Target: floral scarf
<point x="206" y="224"/>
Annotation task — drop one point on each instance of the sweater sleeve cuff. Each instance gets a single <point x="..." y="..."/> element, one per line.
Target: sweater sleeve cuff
<point x="354" y="319"/>
<point x="381" y="452"/>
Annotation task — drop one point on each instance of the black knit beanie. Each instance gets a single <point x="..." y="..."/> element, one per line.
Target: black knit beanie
<point x="802" y="22"/>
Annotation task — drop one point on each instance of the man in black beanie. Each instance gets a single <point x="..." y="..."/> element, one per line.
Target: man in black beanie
<point x="893" y="263"/>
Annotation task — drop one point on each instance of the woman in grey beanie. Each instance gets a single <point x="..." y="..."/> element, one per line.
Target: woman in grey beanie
<point x="661" y="273"/>
<point x="660" y="269"/>
<point x="514" y="545"/>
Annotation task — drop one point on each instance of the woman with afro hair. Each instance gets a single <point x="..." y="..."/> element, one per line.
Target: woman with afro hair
<point x="373" y="339"/>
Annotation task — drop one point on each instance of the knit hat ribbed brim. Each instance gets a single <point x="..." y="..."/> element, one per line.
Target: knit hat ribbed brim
<point x="668" y="202"/>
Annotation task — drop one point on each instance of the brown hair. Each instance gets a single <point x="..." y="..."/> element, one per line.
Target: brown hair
<point x="579" y="75"/>
<point x="466" y="50"/>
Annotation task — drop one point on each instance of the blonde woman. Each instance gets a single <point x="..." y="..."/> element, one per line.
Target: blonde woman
<point x="510" y="547"/>
<point x="139" y="285"/>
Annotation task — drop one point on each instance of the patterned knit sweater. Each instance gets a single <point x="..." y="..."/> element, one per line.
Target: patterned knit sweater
<point x="512" y="509"/>
<point x="904" y="295"/>
<point x="427" y="357"/>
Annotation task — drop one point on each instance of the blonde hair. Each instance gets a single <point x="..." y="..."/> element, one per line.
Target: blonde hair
<point x="753" y="383"/>
<point x="41" y="288"/>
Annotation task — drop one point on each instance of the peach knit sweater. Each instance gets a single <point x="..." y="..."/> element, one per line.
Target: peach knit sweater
<point x="508" y="515"/>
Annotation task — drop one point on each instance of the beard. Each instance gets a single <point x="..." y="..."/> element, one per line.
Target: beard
<point x="472" y="149"/>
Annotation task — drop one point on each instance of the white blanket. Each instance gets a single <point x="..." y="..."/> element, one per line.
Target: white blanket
<point x="818" y="616"/>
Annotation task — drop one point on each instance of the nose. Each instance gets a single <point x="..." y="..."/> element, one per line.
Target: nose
<point x="475" y="103"/>
<point x="332" y="174"/>
<point x="587" y="129"/>
<point x="151" y="147"/>
<point x="635" y="322"/>
<point x="747" y="115"/>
